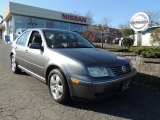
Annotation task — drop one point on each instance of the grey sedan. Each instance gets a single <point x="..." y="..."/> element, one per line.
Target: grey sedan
<point x="70" y="65"/>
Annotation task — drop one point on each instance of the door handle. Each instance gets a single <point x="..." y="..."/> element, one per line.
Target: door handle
<point x="26" y="51"/>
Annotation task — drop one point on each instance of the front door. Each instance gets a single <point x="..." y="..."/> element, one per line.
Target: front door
<point x="35" y="57"/>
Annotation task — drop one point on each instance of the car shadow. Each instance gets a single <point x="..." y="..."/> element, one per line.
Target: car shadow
<point x="24" y="73"/>
<point x="148" y="80"/>
<point x="137" y="103"/>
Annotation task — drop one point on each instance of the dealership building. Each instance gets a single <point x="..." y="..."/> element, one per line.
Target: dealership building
<point x="21" y="17"/>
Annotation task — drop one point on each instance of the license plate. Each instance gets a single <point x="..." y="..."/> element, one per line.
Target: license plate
<point x="125" y="85"/>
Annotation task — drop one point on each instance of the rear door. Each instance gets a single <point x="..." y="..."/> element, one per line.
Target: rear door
<point x="20" y="48"/>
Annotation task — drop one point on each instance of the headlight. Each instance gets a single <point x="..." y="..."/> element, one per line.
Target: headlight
<point x="98" y="71"/>
<point x="121" y="58"/>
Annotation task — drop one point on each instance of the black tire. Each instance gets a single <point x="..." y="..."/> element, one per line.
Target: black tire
<point x="56" y="87"/>
<point x="14" y="66"/>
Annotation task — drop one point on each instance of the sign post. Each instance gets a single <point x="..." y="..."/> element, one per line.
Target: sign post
<point x="139" y="22"/>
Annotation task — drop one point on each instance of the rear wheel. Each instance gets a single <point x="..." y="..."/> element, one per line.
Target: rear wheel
<point x="14" y="65"/>
<point x="58" y="86"/>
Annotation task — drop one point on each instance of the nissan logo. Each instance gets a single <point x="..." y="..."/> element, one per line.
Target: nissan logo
<point x="139" y="21"/>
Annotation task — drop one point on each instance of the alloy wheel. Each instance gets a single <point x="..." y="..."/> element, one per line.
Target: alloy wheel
<point x="56" y="86"/>
<point x="13" y="63"/>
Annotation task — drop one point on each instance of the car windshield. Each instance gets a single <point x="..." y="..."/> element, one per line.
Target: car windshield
<point x="64" y="39"/>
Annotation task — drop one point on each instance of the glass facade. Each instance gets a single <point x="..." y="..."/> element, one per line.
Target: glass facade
<point x="20" y="22"/>
<point x="24" y="22"/>
<point x="28" y="22"/>
<point x="77" y="27"/>
<point x="57" y="24"/>
<point x="65" y="26"/>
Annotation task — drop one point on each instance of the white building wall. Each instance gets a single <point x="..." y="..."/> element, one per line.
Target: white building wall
<point x="146" y="39"/>
<point x="135" y="40"/>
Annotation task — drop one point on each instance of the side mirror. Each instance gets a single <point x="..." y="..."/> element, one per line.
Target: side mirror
<point x="35" y="46"/>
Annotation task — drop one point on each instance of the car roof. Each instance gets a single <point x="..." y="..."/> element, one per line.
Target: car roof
<point x="47" y="29"/>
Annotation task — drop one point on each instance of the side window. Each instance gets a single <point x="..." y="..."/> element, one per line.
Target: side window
<point x="35" y="38"/>
<point x="23" y="39"/>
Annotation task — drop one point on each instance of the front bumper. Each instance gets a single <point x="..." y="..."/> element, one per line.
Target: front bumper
<point x="96" y="89"/>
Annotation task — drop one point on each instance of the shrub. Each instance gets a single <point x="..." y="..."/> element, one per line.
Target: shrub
<point x="146" y="52"/>
<point x="152" y="52"/>
<point x="137" y="50"/>
<point x="120" y="49"/>
<point x="127" y="42"/>
<point x="97" y="46"/>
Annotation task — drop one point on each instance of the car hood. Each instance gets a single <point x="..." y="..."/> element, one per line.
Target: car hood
<point x="93" y="56"/>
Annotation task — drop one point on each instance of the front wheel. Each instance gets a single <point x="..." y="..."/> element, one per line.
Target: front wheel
<point x="14" y="65"/>
<point x="58" y="86"/>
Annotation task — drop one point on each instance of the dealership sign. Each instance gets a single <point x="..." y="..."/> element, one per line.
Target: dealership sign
<point x="139" y="21"/>
<point x="74" y="18"/>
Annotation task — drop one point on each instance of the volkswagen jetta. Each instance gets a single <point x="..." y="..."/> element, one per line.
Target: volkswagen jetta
<point x="70" y="65"/>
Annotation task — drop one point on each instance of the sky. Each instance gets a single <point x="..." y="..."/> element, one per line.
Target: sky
<point x="118" y="12"/>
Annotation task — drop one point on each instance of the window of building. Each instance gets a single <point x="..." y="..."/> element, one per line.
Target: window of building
<point x="84" y="28"/>
<point x="24" y="22"/>
<point x="57" y="25"/>
<point x="64" y="26"/>
<point x="77" y="27"/>
<point x="72" y="27"/>
<point x="38" y="23"/>
<point x="28" y="22"/>
<point x="35" y="22"/>
<point x="49" y="24"/>
<point x="20" y="22"/>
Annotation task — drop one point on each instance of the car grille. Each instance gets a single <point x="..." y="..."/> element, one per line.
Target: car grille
<point x="118" y="70"/>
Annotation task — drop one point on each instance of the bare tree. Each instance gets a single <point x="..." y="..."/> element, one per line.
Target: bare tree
<point x="123" y="26"/>
<point x="76" y="13"/>
<point x="90" y="15"/>
<point x="106" y="21"/>
<point x="154" y="18"/>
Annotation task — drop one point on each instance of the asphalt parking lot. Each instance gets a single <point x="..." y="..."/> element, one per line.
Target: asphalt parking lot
<point x="22" y="97"/>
